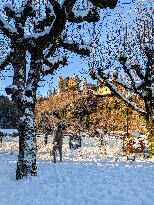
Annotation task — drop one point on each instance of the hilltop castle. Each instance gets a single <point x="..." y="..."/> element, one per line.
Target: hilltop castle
<point x="74" y="83"/>
<point x="68" y="84"/>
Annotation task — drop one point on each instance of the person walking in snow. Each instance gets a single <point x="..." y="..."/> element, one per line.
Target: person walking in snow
<point x="58" y="142"/>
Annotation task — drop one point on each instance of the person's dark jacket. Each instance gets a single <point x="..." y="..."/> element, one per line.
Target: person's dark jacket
<point x="59" y="135"/>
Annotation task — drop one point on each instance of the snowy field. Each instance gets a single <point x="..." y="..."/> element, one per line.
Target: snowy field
<point x="85" y="177"/>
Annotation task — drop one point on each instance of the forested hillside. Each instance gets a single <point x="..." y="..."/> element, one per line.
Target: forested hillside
<point x="91" y="112"/>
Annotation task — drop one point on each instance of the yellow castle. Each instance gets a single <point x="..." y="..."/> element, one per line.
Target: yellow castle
<point x="103" y="90"/>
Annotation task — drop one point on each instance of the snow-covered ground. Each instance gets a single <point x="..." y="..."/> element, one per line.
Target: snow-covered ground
<point x="85" y="177"/>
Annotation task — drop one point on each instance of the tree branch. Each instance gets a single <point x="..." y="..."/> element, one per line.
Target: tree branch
<point x="124" y="85"/>
<point x="7" y="60"/>
<point x="24" y="12"/>
<point x="127" y="71"/>
<point x="92" y="16"/>
<point x="104" y="4"/>
<point x="68" y="5"/>
<point x="53" y="66"/>
<point x="46" y="20"/>
<point x="121" y="83"/>
<point x="123" y="60"/>
<point x="126" y="100"/>
<point x="76" y="48"/>
<point x="50" y="35"/>
<point x="7" y="29"/>
<point x="41" y="24"/>
<point x="10" y="12"/>
<point x="51" y="50"/>
<point x="56" y="7"/>
<point x="115" y="90"/>
<point x="138" y="71"/>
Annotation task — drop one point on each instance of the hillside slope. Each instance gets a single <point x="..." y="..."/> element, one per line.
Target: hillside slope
<point x="91" y="112"/>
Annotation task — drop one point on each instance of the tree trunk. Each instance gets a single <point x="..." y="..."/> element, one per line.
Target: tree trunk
<point x="150" y="128"/>
<point x="149" y="104"/>
<point x="26" y="165"/>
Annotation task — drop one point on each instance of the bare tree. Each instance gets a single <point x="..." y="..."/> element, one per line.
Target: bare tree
<point x="47" y="37"/>
<point x="135" y="73"/>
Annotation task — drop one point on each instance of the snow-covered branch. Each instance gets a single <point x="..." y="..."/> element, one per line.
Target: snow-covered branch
<point x="92" y="16"/>
<point x="26" y="10"/>
<point x="76" y="48"/>
<point x="131" y="76"/>
<point x="54" y="30"/>
<point x="51" y="67"/>
<point x="10" y="11"/>
<point x="6" y="28"/>
<point x="47" y="20"/>
<point x="50" y="50"/>
<point x="73" y="47"/>
<point x="123" y="84"/>
<point x="123" y="97"/>
<point x="6" y="61"/>
<point x="130" y="71"/>
<point x="119" y="94"/>
<point x="137" y="69"/>
<point x="104" y="79"/>
<point x="42" y="23"/>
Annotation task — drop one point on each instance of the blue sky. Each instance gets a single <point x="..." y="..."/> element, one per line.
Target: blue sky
<point x="77" y="64"/>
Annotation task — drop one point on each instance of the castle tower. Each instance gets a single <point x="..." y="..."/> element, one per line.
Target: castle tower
<point x="84" y="86"/>
<point x="59" y="84"/>
<point x="62" y="84"/>
<point x="73" y="83"/>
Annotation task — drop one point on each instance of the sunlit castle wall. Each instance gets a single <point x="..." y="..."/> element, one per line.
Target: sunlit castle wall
<point x="84" y="85"/>
<point x="62" y="84"/>
<point x="73" y="83"/>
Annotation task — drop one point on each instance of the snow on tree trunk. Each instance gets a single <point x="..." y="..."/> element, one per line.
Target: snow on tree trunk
<point x="25" y="99"/>
<point x="26" y="165"/>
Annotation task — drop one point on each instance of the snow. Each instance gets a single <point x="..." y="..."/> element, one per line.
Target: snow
<point x="9" y="6"/>
<point x="21" y="9"/>
<point x="5" y="58"/>
<point x="49" y="6"/>
<point x="7" y="131"/>
<point x="7" y="25"/>
<point x="78" y="180"/>
<point x="56" y="59"/>
<point x="37" y="35"/>
<point x="13" y="87"/>
<point x="136" y="134"/>
<point x="84" y="46"/>
<point x="81" y="9"/>
<point x="28" y="99"/>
